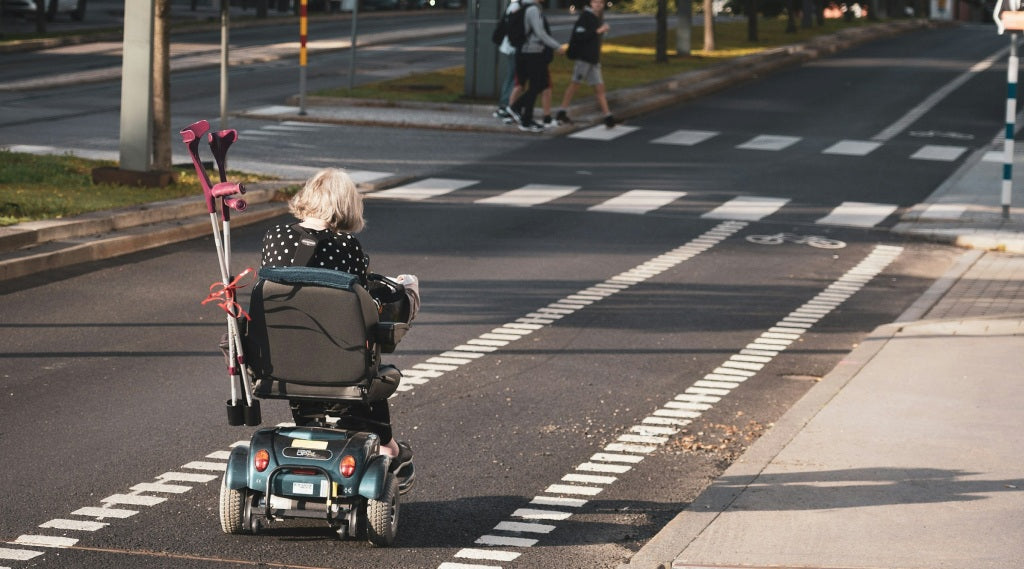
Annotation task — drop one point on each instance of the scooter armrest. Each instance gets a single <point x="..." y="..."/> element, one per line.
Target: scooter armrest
<point x="389" y="334"/>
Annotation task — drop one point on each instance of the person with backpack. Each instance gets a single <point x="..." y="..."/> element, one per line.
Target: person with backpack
<point x="508" y="53"/>
<point x="529" y="31"/>
<point x="585" y="49"/>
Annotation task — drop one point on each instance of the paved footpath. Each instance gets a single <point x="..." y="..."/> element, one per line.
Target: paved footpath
<point x="907" y="455"/>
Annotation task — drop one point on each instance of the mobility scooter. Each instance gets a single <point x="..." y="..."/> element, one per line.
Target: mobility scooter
<point x="313" y="337"/>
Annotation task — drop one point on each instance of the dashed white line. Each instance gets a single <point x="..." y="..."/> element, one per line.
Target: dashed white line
<point x="618" y="457"/>
<point x="18" y="554"/>
<point x="76" y="525"/>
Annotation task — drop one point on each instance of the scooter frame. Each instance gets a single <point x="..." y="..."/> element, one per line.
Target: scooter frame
<point x="362" y="504"/>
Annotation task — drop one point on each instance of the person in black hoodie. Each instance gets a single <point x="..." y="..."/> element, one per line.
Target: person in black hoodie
<point x="532" y="61"/>
<point x="585" y="49"/>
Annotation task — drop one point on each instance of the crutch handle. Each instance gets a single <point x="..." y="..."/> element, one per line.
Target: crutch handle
<point x="236" y="204"/>
<point x="225" y="189"/>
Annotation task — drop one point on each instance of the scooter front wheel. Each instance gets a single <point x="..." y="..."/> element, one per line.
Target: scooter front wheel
<point x="382" y="515"/>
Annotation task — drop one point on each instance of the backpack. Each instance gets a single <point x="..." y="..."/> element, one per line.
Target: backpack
<point x="500" y="31"/>
<point x="517" y="27"/>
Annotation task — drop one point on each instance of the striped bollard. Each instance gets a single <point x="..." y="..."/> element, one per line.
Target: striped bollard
<point x="303" y="31"/>
<point x="1011" y="114"/>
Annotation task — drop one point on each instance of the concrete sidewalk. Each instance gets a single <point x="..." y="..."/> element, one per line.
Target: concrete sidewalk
<point x="907" y="455"/>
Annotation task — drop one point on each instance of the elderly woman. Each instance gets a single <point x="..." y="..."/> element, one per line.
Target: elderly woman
<point x="330" y="212"/>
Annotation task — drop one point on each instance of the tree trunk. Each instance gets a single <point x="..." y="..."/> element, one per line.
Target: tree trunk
<point x="752" y="20"/>
<point x="709" y="26"/>
<point x="661" y="33"/>
<point x="40" y="18"/>
<point x="684" y="24"/>
<point x="162" y="87"/>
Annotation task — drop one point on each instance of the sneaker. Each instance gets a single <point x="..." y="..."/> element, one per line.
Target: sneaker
<point x="500" y="113"/>
<point x="530" y="127"/>
<point x="563" y="118"/>
<point x="512" y="114"/>
<point x="609" y="121"/>
<point x="548" y="123"/>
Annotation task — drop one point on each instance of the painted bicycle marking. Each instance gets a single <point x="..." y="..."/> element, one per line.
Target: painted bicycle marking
<point x="819" y="241"/>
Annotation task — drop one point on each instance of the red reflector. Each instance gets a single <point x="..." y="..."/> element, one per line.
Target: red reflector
<point x="305" y="471"/>
<point x="261" y="460"/>
<point x="347" y="466"/>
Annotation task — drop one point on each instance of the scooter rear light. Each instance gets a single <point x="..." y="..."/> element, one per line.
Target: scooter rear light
<point x="347" y="466"/>
<point x="262" y="460"/>
<point x="305" y="471"/>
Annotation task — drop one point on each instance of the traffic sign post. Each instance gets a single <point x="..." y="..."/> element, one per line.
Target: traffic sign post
<point x="1009" y="17"/>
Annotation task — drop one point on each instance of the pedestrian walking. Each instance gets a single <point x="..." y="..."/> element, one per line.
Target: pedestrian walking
<point x="532" y="59"/>
<point x="508" y="54"/>
<point x="585" y="49"/>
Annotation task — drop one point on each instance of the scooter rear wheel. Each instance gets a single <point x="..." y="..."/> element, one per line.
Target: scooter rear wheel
<point x="232" y="510"/>
<point x="382" y="515"/>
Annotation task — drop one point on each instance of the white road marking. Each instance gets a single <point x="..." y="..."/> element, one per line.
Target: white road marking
<point x="77" y="525"/>
<point x="686" y="137"/>
<point x="104" y="513"/>
<point x="524" y="527"/>
<point x="769" y="142"/>
<point x="937" y="96"/>
<point x="491" y="554"/>
<point x="746" y="208"/>
<point x="603" y="133"/>
<point x="852" y="147"/>
<point x="424" y="189"/>
<point x="133" y="500"/>
<point x="529" y="195"/>
<point x="695" y="400"/>
<point x="203" y="465"/>
<point x="858" y="214"/>
<point x="939" y="152"/>
<point x="637" y="201"/>
<point x="944" y="211"/>
<point x="45" y="541"/>
<point x="188" y="476"/>
<point x="18" y="554"/>
<point x="502" y="540"/>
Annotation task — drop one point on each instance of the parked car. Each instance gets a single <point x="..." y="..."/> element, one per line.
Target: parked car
<point x="28" y="7"/>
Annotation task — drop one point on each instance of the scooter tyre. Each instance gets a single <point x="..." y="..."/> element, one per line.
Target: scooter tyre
<point x="232" y="510"/>
<point x="382" y="515"/>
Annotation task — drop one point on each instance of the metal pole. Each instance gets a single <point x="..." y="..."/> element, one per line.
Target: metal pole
<point x="137" y="86"/>
<point x="303" y="31"/>
<point x="352" y="48"/>
<point x="1011" y="114"/>
<point x="224" y="16"/>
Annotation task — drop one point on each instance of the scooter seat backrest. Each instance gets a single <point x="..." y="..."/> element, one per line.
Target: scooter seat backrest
<point x="311" y="335"/>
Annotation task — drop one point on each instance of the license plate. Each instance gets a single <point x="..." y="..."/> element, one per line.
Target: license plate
<point x="305" y="488"/>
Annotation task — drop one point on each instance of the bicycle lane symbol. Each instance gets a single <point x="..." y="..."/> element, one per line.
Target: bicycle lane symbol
<point x="818" y="241"/>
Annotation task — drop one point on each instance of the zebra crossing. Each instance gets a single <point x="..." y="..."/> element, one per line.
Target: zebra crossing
<point x="771" y="142"/>
<point x="682" y="137"/>
<point x="634" y="201"/>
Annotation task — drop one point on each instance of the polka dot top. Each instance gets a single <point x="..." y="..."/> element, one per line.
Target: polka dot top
<point x="338" y="251"/>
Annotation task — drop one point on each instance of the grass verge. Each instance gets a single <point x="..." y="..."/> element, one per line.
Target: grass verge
<point x="34" y="187"/>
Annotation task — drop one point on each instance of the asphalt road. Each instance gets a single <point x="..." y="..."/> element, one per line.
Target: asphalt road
<point x="111" y="378"/>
